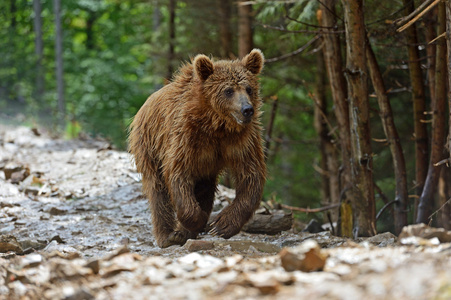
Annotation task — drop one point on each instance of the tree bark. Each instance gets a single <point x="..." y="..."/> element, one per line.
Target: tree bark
<point x="364" y="210"/>
<point x="419" y="106"/>
<point x="391" y="133"/>
<point x="171" y="53"/>
<point x="448" y="42"/>
<point x="225" y="31"/>
<point x="39" y="51"/>
<point x="334" y="65"/>
<point x="426" y="201"/>
<point x="89" y="30"/>
<point x="330" y="190"/>
<point x="444" y="196"/>
<point x="59" y="62"/>
<point x="245" y="33"/>
<point x="430" y="33"/>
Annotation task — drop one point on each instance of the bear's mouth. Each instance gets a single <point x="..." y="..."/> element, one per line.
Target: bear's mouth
<point x="239" y="120"/>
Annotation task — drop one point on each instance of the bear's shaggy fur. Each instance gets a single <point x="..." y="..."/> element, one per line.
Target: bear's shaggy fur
<point x="203" y="122"/>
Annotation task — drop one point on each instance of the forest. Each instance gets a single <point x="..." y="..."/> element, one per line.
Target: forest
<point x="356" y="93"/>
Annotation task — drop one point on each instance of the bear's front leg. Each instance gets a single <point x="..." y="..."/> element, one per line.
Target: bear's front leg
<point x="232" y="218"/>
<point x="189" y="213"/>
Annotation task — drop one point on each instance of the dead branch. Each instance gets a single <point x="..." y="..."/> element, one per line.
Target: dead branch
<point x="420" y="11"/>
<point x="440" y="36"/>
<point x="270" y="60"/>
<point x="310" y="210"/>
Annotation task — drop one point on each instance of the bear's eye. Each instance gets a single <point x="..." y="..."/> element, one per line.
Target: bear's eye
<point x="249" y="90"/>
<point x="229" y="92"/>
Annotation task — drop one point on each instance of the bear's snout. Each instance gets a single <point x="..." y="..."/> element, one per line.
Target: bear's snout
<point x="247" y="110"/>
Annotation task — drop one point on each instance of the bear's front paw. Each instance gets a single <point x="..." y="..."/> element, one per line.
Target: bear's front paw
<point x="193" y="220"/>
<point x="224" y="227"/>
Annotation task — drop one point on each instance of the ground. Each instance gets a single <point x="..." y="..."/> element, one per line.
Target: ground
<point x="74" y="225"/>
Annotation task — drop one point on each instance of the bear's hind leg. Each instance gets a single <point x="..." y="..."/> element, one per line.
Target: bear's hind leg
<point x="163" y="218"/>
<point x="167" y="230"/>
<point x="204" y="192"/>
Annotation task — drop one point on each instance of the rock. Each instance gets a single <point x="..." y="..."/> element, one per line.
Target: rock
<point x="10" y="168"/>
<point x="31" y="260"/>
<point x="383" y="239"/>
<point x="313" y="227"/>
<point x="20" y="175"/>
<point x="9" y="243"/>
<point x="306" y="257"/>
<point x="94" y="265"/>
<point x="198" y="245"/>
<point x="245" y="245"/>
<point x="58" y="211"/>
<point x="426" y="232"/>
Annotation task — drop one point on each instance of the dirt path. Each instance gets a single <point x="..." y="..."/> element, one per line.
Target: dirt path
<point x="74" y="225"/>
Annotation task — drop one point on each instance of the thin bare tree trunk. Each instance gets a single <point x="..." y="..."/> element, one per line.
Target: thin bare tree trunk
<point x="334" y="65"/>
<point x="419" y="106"/>
<point x="444" y="197"/>
<point x="245" y="33"/>
<point x="330" y="189"/>
<point x="448" y="42"/>
<point x="59" y="62"/>
<point x="430" y="33"/>
<point x="364" y="210"/>
<point x="39" y="51"/>
<point x="438" y="125"/>
<point x="225" y="31"/>
<point x="171" y="53"/>
<point x="391" y="133"/>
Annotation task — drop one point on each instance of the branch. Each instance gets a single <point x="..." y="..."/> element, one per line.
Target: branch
<point x="270" y="60"/>
<point x="384" y="208"/>
<point x="420" y="11"/>
<point x="311" y="210"/>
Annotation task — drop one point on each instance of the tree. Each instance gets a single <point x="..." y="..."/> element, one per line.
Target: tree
<point x="245" y="33"/>
<point x="438" y="125"/>
<point x="334" y="65"/>
<point x="171" y="53"/>
<point x="39" y="51"/>
<point x="59" y="61"/>
<point x="225" y="31"/>
<point x="361" y="153"/>
<point x="419" y="102"/>
<point x="330" y="186"/>
<point x="388" y="123"/>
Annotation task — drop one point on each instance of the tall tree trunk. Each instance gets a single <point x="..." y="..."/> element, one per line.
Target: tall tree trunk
<point x="444" y="197"/>
<point x="225" y="31"/>
<point x="391" y="133"/>
<point x="334" y="65"/>
<point x="171" y="54"/>
<point x="419" y="106"/>
<point x="330" y="189"/>
<point x="59" y="62"/>
<point x="12" y="11"/>
<point x="438" y="124"/>
<point x="89" y="30"/>
<point x="430" y="33"/>
<point x="245" y="34"/>
<point x="362" y="162"/>
<point x="448" y="43"/>
<point x="39" y="51"/>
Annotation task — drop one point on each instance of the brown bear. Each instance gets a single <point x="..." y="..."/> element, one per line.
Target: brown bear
<point x="205" y="121"/>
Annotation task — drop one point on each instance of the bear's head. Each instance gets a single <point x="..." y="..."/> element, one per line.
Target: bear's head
<point x="231" y="88"/>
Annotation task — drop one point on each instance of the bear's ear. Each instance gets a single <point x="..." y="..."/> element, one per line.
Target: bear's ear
<point x="254" y="61"/>
<point x="203" y="66"/>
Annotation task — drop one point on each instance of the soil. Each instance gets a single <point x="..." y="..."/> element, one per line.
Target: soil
<point x="75" y="225"/>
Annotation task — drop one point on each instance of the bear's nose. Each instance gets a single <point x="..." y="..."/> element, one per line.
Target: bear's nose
<point x="247" y="110"/>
